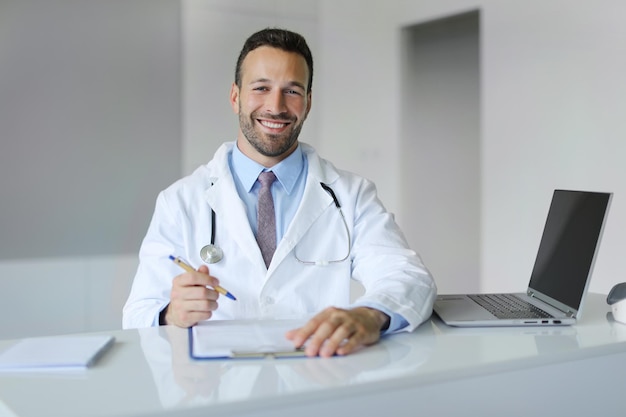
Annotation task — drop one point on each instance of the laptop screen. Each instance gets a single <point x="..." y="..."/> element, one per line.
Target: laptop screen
<point x="570" y="239"/>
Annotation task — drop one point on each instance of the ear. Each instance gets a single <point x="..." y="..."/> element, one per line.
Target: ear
<point x="308" y="104"/>
<point x="234" y="98"/>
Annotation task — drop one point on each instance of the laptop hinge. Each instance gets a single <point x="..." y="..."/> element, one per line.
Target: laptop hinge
<point x="568" y="313"/>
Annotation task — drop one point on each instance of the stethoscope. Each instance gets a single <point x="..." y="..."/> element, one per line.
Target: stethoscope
<point x="212" y="253"/>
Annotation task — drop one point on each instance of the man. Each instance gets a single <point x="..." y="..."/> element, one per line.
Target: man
<point x="329" y="226"/>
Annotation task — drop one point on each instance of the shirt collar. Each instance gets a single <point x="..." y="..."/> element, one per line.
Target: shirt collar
<point x="287" y="171"/>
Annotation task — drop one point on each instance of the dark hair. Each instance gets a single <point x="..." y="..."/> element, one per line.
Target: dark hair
<point x="276" y="38"/>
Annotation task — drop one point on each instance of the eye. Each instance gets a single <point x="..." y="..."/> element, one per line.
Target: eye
<point x="261" y="88"/>
<point x="293" y="92"/>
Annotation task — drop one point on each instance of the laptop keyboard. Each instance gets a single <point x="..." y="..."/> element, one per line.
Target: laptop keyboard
<point x="507" y="306"/>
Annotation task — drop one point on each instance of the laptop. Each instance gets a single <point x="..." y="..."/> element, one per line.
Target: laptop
<point x="559" y="279"/>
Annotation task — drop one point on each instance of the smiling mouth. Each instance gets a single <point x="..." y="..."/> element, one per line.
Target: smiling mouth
<point x="272" y="125"/>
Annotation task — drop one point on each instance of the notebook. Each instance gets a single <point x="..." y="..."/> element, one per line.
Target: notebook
<point x="55" y="353"/>
<point x="560" y="276"/>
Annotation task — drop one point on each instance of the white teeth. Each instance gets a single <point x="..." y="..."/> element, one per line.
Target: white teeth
<point x="272" y="125"/>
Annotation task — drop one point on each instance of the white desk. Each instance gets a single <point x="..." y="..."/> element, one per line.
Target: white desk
<point x="437" y="370"/>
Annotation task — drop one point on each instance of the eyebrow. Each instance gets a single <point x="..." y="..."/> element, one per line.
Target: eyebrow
<point x="290" y="84"/>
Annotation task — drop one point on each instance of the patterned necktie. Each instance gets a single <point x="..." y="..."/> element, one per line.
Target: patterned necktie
<point x="266" y="219"/>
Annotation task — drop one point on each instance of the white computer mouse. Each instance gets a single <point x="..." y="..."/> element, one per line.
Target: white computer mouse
<point x="617" y="300"/>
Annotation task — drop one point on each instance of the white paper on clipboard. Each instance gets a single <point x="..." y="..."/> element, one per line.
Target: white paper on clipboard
<point x="215" y="339"/>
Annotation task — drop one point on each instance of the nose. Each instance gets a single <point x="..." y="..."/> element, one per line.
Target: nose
<point x="275" y="102"/>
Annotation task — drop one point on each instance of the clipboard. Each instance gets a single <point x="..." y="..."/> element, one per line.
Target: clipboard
<point x="243" y="339"/>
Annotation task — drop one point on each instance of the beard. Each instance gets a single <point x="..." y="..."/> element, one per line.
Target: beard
<point x="268" y="144"/>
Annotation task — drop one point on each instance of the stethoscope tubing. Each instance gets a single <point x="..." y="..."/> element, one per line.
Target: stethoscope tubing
<point x="213" y="254"/>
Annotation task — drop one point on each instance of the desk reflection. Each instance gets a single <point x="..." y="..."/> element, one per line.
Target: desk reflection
<point x="182" y="381"/>
<point x="618" y="329"/>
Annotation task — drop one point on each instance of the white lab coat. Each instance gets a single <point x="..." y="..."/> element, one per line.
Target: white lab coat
<point x="392" y="274"/>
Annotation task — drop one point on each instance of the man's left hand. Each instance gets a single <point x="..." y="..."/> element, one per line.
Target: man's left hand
<point x="339" y="331"/>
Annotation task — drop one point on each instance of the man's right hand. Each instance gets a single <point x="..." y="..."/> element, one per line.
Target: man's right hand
<point x="191" y="299"/>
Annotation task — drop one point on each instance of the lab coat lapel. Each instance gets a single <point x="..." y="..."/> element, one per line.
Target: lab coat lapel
<point x="231" y="215"/>
<point x="314" y="201"/>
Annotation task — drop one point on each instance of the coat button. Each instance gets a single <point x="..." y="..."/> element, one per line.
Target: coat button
<point x="269" y="300"/>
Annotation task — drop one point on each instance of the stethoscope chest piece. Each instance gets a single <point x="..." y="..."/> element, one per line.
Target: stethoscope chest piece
<point x="211" y="254"/>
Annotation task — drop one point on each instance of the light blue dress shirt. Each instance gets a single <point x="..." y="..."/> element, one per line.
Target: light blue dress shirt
<point x="287" y="193"/>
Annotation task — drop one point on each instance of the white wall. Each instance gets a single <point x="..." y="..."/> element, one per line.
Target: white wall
<point x="91" y="118"/>
<point x="552" y="102"/>
<point x="60" y="295"/>
<point x="90" y="131"/>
